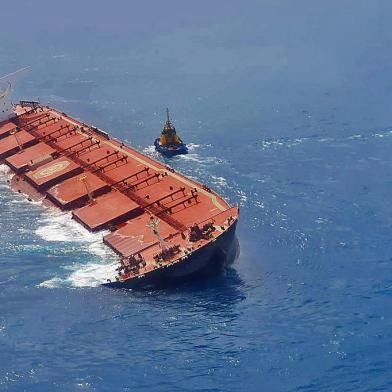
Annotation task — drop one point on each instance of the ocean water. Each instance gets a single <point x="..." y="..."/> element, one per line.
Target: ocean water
<point x="286" y="107"/>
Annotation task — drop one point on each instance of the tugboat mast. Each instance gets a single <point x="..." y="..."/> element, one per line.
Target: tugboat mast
<point x="168" y="124"/>
<point x="167" y="115"/>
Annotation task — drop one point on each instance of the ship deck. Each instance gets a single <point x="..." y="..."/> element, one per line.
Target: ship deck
<point x="107" y="184"/>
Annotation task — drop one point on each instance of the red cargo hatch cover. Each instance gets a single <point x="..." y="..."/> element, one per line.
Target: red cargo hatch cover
<point x="53" y="172"/>
<point x="10" y="144"/>
<point x="5" y="128"/>
<point x="30" y="156"/>
<point x="72" y="193"/>
<point x="109" y="209"/>
<point x="135" y="235"/>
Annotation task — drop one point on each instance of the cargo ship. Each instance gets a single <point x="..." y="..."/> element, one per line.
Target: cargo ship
<point x="163" y="225"/>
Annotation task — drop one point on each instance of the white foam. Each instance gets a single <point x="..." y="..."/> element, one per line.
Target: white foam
<point x="92" y="274"/>
<point x="4" y="169"/>
<point x="321" y="220"/>
<point x="297" y="142"/>
<point x="271" y="143"/>
<point x="353" y="137"/>
<point x="59" y="226"/>
<point x="200" y="159"/>
<point x="96" y="271"/>
<point x="259" y="204"/>
<point x="192" y="146"/>
<point x="52" y="283"/>
<point x="243" y="198"/>
<point x="149" y="150"/>
<point x="192" y="157"/>
<point x="5" y="173"/>
<point x="22" y="199"/>
<point x="221" y="181"/>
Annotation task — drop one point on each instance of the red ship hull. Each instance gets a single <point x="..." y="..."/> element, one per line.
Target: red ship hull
<point x="206" y="261"/>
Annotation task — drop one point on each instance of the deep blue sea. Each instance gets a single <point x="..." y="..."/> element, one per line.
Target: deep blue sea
<point x="287" y="108"/>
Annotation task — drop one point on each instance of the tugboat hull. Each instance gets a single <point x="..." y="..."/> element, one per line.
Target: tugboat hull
<point x="172" y="150"/>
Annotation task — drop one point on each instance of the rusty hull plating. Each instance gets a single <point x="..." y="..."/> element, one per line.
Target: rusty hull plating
<point x="162" y="224"/>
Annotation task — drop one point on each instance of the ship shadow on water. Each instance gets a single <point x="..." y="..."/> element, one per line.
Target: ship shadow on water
<point x="216" y="293"/>
<point x="221" y="280"/>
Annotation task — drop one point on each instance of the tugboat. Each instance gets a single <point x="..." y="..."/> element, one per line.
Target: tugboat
<point x="169" y="143"/>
